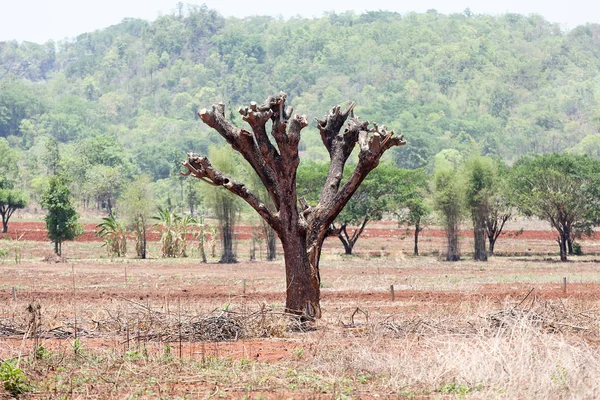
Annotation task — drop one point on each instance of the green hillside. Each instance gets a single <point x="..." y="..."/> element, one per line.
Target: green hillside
<point x="122" y="101"/>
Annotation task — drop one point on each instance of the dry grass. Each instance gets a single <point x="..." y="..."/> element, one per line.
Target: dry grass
<point x="180" y="329"/>
<point x="526" y="348"/>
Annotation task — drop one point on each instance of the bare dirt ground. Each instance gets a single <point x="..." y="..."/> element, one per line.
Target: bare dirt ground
<point x="127" y="328"/>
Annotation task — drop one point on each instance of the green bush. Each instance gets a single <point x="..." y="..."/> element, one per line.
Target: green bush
<point x="13" y="378"/>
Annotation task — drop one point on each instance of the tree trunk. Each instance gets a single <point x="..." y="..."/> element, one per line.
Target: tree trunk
<point x="570" y="247"/>
<point x="227" y="254"/>
<point x="492" y="242"/>
<point x="144" y="241"/>
<point x="348" y="245"/>
<point x="453" y="253"/>
<point x="417" y="230"/>
<point x="4" y="225"/>
<point x="562" y="243"/>
<point x="303" y="289"/>
<point x="479" y="253"/>
<point x="271" y="244"/>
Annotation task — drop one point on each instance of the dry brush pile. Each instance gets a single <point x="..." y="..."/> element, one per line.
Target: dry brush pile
<point x="527" y="348"/>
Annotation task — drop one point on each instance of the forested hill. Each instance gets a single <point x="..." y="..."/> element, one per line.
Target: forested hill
<point x="505" y="85"/>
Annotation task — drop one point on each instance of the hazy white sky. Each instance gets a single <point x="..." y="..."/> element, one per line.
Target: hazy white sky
<point x="41" y="20"/>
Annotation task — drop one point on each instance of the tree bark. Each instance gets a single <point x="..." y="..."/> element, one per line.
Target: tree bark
<point x="492" y="243"/>
<point x="479" y="253"/>
<point x="144" y="239"/>
<point x="562" y="243"/>
<point x="452" y="253"/>
<point x="418" y="229"/>
<point x="303" y="290"/>
<point x="271" y="239"/>
<point x="227" y="254"/>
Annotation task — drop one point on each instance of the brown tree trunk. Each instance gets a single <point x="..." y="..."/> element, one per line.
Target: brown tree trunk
<point x="302" y="281"/>
<point x="144" y="240"/>
<point x="452" y="253"/>
<point x="479" y="253"/>
<point x="562" y="243"/>
<point x="416" y="247"/>
<point x="347" y="244"/>
<point x="492" y="243"/>
<point x="271" y="244"/>
<point x="227" y="254"/>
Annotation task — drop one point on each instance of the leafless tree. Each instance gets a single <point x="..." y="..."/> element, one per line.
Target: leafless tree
<point x="302" y="228"/>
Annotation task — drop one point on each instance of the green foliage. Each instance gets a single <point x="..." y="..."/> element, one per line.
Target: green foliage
<point x="225" y="205"/>
<point x="174" y="230"/>
<point x="449" y="203"/>
<point x="561" y="189"/>
<point x="137" y="207"/>
<point x="13" y="378"/>
<point x="478" y="173"/>
<point x="10" y="201"/>
<point x="123" y="101"/>
<point x="413" y="207"/>
<point x="554" y="184"/>
<point x="114" y="234"/>
<point x="61" y="218"/>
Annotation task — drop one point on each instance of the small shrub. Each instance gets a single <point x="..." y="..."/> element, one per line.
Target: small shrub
<point x="41" y="353"/>
<point x="114" y="234"/>
<point x="13" y="378"/>
<point x="577" y="251"/>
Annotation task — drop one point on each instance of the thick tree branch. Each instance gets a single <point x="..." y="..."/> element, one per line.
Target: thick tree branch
<point x="201" y="168"/>
<point x="331" y="125"/>
<point x="340" y="149"/>
<point x="373" y="144"/>
<point x="255" y="148"/>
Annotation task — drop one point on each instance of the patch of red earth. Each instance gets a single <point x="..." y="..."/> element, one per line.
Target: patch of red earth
<point x="275" y="350"/>
<point x="492" y="292"/>
<point x="36" y="231"/>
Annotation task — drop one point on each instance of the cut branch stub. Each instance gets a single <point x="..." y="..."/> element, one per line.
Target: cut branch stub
<point x="331" y="125"/>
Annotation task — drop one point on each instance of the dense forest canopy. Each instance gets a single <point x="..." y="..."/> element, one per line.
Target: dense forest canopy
<point x="113" y="104"/>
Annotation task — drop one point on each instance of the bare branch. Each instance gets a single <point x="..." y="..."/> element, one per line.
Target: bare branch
<point x="373" y="144"/>
<point x="339" y="151"/>
<point x="255" y="148"/>
<point x="201" y="168"/>
<point x="332" y="123"/>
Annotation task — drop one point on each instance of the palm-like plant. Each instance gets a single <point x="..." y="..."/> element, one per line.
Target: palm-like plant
<point x="173" y="232"/>
<point x="114" y="234"/>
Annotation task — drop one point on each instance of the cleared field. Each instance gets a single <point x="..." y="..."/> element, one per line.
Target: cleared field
<point x="177" y="328"/>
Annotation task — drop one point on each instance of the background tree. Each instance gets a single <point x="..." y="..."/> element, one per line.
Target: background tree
<point x="10" y="201"/>
<point x="448" y="201"/>
<point x="478" y="178"/>
<point x="301" y="231"/>
<point x="500" y="204"/>
<point x="560" y="189"/>
<point x="136" y="204"/>
<point x="62" y="221"/>
<point x="413" y="207"/>
<point x="224" y="204"/>
<point x="377" y="194"/>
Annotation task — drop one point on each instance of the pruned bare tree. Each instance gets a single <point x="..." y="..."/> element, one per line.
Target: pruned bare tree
<point x="302" y="228"/>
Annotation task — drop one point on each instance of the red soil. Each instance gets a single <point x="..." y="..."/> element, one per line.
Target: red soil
<point x="36" y="231"/>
